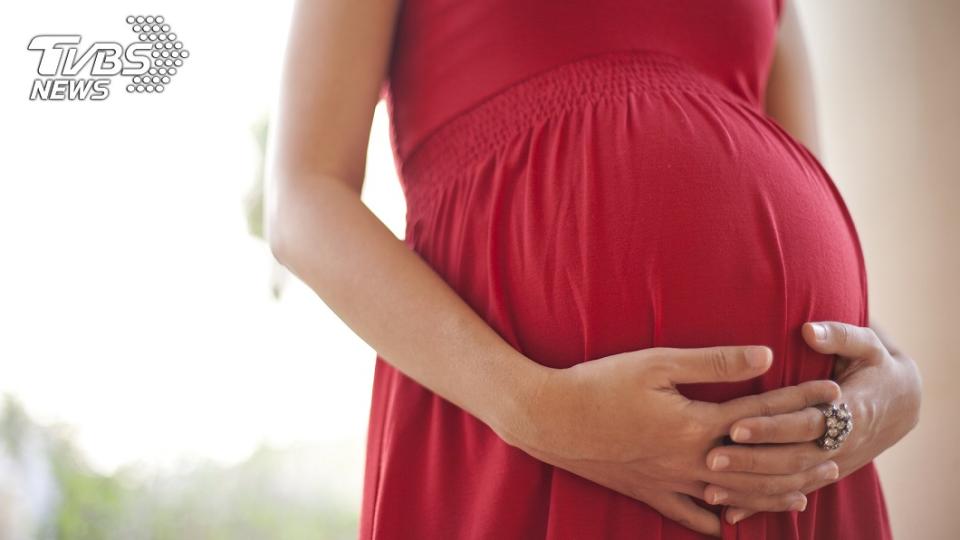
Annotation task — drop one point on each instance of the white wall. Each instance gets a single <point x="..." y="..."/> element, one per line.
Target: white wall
<point x="888" y="80"/>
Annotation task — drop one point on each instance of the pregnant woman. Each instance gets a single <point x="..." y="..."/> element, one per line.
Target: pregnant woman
<point x="627" y="293"/>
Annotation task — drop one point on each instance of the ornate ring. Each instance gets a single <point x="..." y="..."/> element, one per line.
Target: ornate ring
<point x="839" y="425"/>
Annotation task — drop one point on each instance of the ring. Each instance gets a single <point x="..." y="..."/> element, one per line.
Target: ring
<point x="839" y="425"/>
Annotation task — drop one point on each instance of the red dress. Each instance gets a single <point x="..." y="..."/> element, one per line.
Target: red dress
<point x="594" y="177"/>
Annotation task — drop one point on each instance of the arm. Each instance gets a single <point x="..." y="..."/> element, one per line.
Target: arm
<point x="790" y="100"/>
<point x="618" y="421"/>
<point x="883" y="386"/>
<point x="318" y="227"/>
<point x="880" y="383"/>
<point x="790" y="93"/>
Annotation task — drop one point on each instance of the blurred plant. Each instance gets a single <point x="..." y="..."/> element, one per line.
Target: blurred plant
<point x="91" y="504"/>
<point x="254" y="204"/>
<point x="28" y="490"/>
<point x="275" y="493"/>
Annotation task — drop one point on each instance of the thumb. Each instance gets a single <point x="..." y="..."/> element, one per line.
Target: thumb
<point x="717" y="364"/>
<point x="831" y="337"/>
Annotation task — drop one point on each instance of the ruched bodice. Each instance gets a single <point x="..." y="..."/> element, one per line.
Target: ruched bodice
<point x="449" y="55"/>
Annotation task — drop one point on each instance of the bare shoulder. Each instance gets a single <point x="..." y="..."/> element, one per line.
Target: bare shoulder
<point x="336" y="62"/>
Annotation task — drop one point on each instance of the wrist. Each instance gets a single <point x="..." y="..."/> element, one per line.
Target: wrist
<point x="885" y="408"/>
<point x="515" y="416"/>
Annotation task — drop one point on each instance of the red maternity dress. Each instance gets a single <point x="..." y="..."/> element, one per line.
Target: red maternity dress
<point x="594" y="177"/>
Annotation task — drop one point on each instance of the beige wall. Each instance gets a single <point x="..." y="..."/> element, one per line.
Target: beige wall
<point x="888" y="82"/>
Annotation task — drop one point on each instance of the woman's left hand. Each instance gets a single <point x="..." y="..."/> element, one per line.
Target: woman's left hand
<point x="880" y="385"/>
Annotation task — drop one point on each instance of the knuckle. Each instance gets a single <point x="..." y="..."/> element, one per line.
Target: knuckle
<point x="768" y="503"/>
<point x="710" y="414"/>
<point x="656" y="368"/>
<point x="811" y="479"/>
<point x="690" y="428"/>
<point x="799" y="480"/>
<point x="811" y="393"/>
<point x="766" y="407"/>
<point x="717" y="360"/>
<point x="700" y="429"/>
<point x="794" y="397"/>
<point x="799" y="462"/>
<point x="843" y="332"/>
<point x="873" y="340"/>
<point x="764" y="429"/>
<point x="813" y="424"/>
<point x="768" y="486"/>
<point x="738" y="462"/>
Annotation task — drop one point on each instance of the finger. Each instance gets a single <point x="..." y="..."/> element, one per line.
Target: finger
<point x="780" y="401"/>
<point x="810" y="488"/>
<point x="769" y="484"/>
<point x="831" y="337"/>
<point x="799" y="426"/>
<point x="691" y="488"/>
<point x="794" y="501"/>
<point x="734" y="514"/>
<point x="766" y="459"/>
<point x="684" y="511"/>
<point x="715" y="364"/>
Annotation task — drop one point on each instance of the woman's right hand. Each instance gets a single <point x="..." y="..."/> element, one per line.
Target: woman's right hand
<point x="619" y="421"/>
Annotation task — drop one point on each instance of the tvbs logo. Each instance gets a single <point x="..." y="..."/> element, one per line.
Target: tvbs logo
<point x="147" y="64"/>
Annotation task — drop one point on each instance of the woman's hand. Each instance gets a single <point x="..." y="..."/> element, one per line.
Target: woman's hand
<point x="620" y="422"/>
<point x="880" y="385"/>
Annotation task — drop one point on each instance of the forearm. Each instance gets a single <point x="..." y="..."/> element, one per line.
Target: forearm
<point x="396" y="303"/>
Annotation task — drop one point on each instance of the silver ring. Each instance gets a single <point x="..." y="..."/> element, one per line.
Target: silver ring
<point x="839" y="424"/>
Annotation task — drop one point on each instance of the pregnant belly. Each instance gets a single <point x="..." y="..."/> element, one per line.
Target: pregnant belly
<point x="660" y="213"/>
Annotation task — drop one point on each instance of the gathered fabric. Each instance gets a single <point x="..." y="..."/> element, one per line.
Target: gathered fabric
<point x="619" y="200"/>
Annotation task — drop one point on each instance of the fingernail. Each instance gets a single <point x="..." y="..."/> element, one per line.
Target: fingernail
<point x="819" y="331"/>
<point x="833" y="473"/>
<point x="734" y="516"/>
<point x="756" y="357"/>
<point x="719" y="496"/>
<point x="719" y="462"/>
<point x="740" y="434"/>
<point x="800" y="505"/>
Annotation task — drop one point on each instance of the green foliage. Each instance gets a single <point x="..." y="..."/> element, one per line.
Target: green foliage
<point x="91" y="504"/>
<point x="272" y="494"/>
<point x="253" y="203"/>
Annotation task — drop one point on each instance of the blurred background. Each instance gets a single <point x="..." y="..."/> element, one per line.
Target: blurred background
<point x="163" y="378"/>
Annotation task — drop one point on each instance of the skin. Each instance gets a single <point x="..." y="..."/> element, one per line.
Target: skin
<point x="790" y="94"/>
<point x="320" y="230"/>
<point x="880" y="383"/>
